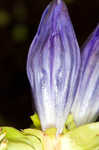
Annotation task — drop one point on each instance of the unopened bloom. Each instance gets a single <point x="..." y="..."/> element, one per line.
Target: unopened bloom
<point x="61" y="81"/>
<point x="86" y="104"/>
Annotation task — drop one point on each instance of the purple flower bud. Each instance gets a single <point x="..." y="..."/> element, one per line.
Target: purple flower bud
<point x="86" y="105"/>
<point x="53" y="65"/>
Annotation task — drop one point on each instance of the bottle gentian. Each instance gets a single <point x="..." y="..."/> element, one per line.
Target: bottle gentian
<point x="62" y="82"/>
<point x="65" y="86"/>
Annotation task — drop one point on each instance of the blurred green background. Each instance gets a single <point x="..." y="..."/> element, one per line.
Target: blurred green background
<point x="19" y="20"/>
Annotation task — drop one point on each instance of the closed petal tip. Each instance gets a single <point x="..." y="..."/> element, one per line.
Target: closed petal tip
<point x="86" y="104"/>
<point x="52" y="66"/>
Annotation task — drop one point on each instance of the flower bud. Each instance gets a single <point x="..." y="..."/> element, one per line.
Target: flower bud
<point x="86" y="104"/>
<point x="52" y="66"/>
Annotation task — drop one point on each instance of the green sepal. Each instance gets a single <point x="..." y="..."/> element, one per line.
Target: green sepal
<point x="17" y="140"/>
<point x="36" y="121"/>
<point x="85" y="137"/>
<point x="70" y="123"/>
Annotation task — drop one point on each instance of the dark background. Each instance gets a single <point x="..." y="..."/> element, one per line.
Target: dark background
<point x="19" y="20"/>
